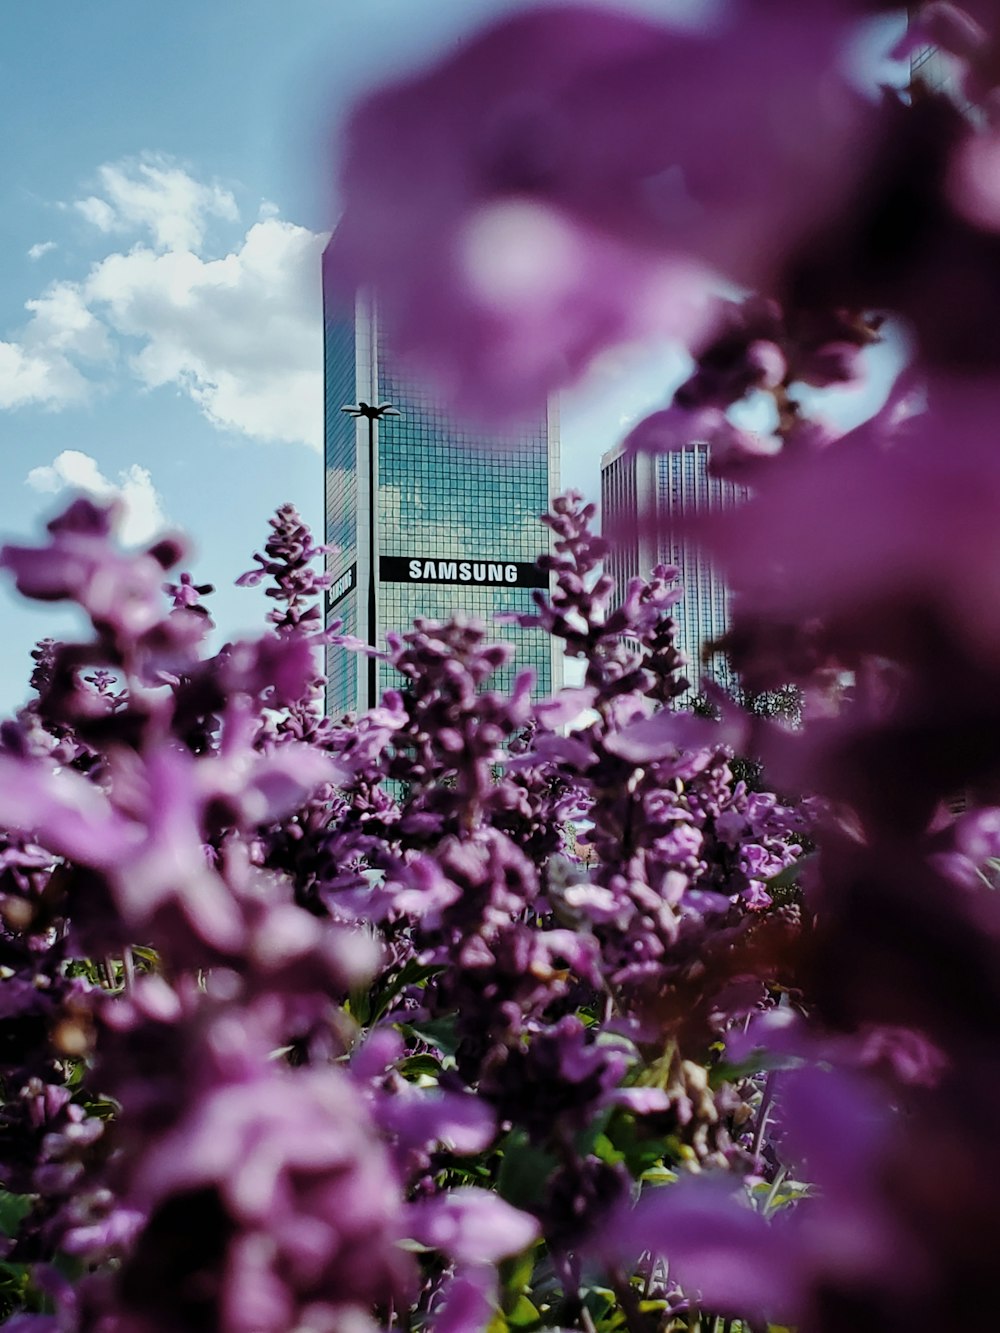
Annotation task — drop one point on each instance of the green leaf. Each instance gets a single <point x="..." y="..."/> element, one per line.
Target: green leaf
<point x="13" y="1207"/>
<point x="416" y="1067"/>
<point x="437" y="1032"/>
<point x="638" y="1147"/>
<point x="524" y="1170"/>
<point x="761" y="1061"/>
<point x="659" y="1175"/>
<point x="515" y="1278"/>
<point x="604" y="1149"/>
<point x="585" y="1140"/>
<point x="788" y="878"/>
<point x="360" y="1007"/>
<point x="524" y="1315"/>
<point x="150" y="957"/>
<point x="602" y="1305"/>
<point x="377" y="1000"/>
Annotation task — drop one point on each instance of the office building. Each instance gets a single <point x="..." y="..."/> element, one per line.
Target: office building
<point x="427" y="518"/>
<point x="642" y="498"/>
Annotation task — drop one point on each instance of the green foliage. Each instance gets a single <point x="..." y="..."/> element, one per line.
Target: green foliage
<point x="17" y="1292"/>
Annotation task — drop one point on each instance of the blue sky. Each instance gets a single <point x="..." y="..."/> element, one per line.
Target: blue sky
<point x="165" y="186"/>
<point x="166" y="182"/>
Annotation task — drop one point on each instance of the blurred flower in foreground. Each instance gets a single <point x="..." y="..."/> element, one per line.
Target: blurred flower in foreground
<point x="571" y="176"/>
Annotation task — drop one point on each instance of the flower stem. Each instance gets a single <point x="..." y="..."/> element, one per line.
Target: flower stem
<point x="622" y="1288"/>
<point x="766" y="1098"/>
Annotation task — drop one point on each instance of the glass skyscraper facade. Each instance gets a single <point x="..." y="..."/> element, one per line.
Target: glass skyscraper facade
<point x="642" y="498"/>
<point x="455" y="515"/>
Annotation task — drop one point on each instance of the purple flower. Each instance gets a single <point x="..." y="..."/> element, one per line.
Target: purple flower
<point x="866" y="547"/>
<point x="161" y="864"/>
<point x="281" y="671"/>
<point x="472" y="1225"/>
<point x="570" y="173"/>
<point x="468" y="1302"/>
<point x="415" y="1120"/>
<point x="187" y="594"/>
<point x="736" y="453"/>
<point x="288" y="559"/>
<point x="304" y="1201"/>
<point x="837" y="1135"/>
<point x="930" y="188"/>
<point x="761" y="350"/>
<point x="554" y="1082"/>
<point x="679" y="743"/>
<point x="71" y="816"/>
<point x="724" y="1254"/>
<point x="120" y="592"/>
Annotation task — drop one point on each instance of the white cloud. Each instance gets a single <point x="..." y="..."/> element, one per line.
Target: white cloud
<point x="240" y="335"/>
<point x="98" y="213"/>
<point x="62" y="323"/>
<point x="41" y="248"/>
<point x="39" y="366"/>
<point x="71" y="469"/>
<point x="142" y="512"/>
<point x="154" y="194"/>
<point x="40" y="378"/>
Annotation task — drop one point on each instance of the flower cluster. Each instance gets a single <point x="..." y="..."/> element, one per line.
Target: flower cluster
<point x="273" y="981"/>
<point x="181" y="1117"/>
<point x="595" y="175"/>
<point x="490" y="1012"/>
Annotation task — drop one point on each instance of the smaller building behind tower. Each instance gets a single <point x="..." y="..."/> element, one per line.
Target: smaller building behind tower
<point x="643" y="498"/>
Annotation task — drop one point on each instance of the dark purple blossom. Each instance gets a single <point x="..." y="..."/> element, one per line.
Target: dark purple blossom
<point x="288" y="560"/>
<point x="563" y="172"/>
<point x="120" y="592"/>
<point x="553" y="1082"/>
<point x="302" y="1199"/>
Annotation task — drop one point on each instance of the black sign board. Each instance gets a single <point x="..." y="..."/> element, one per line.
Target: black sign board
<point x="341" y="586"/>
<point x="474" y="572"/>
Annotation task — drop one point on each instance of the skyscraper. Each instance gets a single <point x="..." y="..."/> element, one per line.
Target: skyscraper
<point x="642" y="498"/>
<point x="427" y="518"/>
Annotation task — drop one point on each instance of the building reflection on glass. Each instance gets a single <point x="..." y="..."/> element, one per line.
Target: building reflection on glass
<point x="456" y="516"/>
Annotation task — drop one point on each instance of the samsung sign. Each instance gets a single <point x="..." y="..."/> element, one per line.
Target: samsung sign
<point x="339" y="589"/>
<point x="484" y="573"/>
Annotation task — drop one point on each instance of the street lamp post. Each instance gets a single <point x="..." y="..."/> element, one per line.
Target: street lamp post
<point x="372" y="413"/>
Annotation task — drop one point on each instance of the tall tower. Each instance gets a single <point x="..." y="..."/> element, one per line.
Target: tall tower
<point x="427" y="518"/>
<point x="643" y="497"/>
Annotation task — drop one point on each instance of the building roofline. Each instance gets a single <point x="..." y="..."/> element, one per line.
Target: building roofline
<point x="612" y="454"/>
